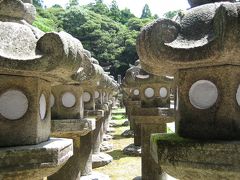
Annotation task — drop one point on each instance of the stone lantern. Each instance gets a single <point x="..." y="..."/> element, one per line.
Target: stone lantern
<point x="132" y="90"/>
<point x="93" y="111"/>
<point x="151" y="115"/>
<point x="30" y="63"/>
<point x="201" y="51"/>
<point x="68" y="121"/>
<point x="132" y="98"/>
<point x="108" y="86"/>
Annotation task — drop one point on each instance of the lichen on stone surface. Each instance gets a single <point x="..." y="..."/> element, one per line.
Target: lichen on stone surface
<point x="171" y="137"/>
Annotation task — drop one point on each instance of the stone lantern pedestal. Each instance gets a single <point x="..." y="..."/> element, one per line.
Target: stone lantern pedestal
<point x="80" y="131"/>
<point x="34" y="161"/>
<point x="185" y="158"/>
<point x="105" y="137"/>
<point x="68" y="122"/>
<point x="135" y="148"/>
<point x="151" y="120"/>
<point x="98" y="158"/>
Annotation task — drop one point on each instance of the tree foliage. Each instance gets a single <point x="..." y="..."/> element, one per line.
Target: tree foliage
<point x="107" y="32"/>
<point x="171" y="14"/>
<point x="73" y="2"/>
<point x="38" y="3"/>
<point x="146" y="12"/>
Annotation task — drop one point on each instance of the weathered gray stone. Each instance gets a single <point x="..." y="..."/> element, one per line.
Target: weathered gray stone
<point x="202" y="51"/>
<point x="68" y="122"/>
<point x="101" y="159"/>
<point x="30" y="63"/>
<point x="79" y="127"/>
<point x="196" y="159"/>
<point x="107" y="137"/>
<point x="128" y="133"/>
<point x="148" y="108"/>
<point x="68" y="103"/>
<point x="35" y="161"/>
<point x="27" y="127"/>
<point x="220" y="119"/>
<point x="51" y="56"/>
<point x="126" y="123"/>
<point x="194" y="3"/>
<point x="199" y="39"/>
<point x="106" y="146"/>
<point x="132" y="150"/>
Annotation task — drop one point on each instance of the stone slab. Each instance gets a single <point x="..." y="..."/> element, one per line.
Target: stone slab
<point x="153" y="115"/>
<point x="132" y="150"/>
<point x="128" y="133"/>
<point x="107" y="137"/>
<point x="126" y="123"/>
<point x="101" y="159"/>
<point x="106" y="146"/>
<point x="194" y="159"/>
<point x="35" y="161"/>
<point x="73" y="126"/>
<point x="98" y="114"/>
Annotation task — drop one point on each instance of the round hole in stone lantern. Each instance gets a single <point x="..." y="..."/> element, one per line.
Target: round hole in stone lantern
<point x="52" y="100"/>
<point x="86" y="96"/>
<point x="149" y="92"/>
<point x="163" y="92"/>
<point x="68" y="100"/>
<point x="238" y="95"/>
<point x="42" y="106"/>
<point x="203" y="94"/>
<point x="97" y="94"/>
<point x="13" y="104"/>
<point x="136" y="92"/>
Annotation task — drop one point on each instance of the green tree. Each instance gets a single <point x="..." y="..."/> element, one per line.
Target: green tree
<point x="73" y="3"/>
<point x="115" y="13"/>
<point x="146" y="12"/>
<point x="126" y="15"/>
<point x="136" y="23"/>
<point x="108" y="33"/>
<point x="38" y="3"/>
<point x="171" y="14"/>
<point x="99" y="7"/>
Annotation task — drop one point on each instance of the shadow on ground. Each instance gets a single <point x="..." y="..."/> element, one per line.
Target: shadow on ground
<point x="119" y="137"/>
<point x="117" y="154"/>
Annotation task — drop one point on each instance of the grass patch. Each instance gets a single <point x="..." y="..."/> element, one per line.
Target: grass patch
<point x="123" y="167"/>
<point x="118" y="117"/>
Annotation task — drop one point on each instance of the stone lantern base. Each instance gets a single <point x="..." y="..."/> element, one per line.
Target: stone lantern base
<point x="80" y="131"/>
<point x="194" y="159"/>
<point x="35" y="161"/>
<point x="101" y="159"/>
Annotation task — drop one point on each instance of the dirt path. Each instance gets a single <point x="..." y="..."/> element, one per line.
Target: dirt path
<point x="123" y="167"/>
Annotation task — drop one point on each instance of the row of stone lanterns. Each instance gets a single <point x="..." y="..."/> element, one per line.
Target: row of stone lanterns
<point x="48" y="85"/>
<point x="149" y="109"/>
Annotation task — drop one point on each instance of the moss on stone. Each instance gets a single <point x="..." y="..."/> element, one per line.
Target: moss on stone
<point x="171" y="137"/>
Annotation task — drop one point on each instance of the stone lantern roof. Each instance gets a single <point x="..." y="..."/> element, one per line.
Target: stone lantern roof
<point x="136" y="75"/>
<point x="204" y="36"/>
<point x="194" y="3"/>
<point x="27" y="51"/>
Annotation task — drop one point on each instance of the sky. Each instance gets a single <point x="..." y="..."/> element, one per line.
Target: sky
<point x="158" y="7"/>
